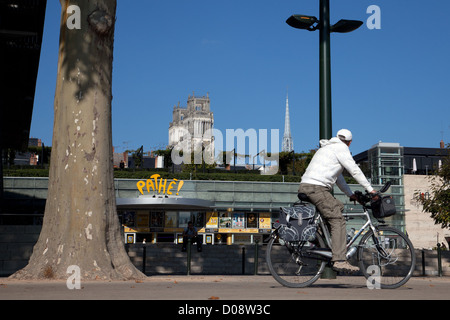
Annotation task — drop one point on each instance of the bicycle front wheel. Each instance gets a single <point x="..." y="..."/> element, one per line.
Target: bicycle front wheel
<point x="291" y="264"/>
<point x="387" y="258"/>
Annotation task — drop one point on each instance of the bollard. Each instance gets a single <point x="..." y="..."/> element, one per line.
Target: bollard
<point x="423" y="262"/>
<point x="328" y="273"/>
<point x="255" y="272"/>
<point x="439" y="260"/>
<point x="243" y="260"/>
<point x="144" y="257"/>
<point x="188" y="257"/>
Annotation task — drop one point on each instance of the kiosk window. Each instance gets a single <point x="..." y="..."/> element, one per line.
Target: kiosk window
<point x="224" y="220"/>
<point x="252" y="220"/>
<point x="129" y="218"/>
<point x="157" y="220"/>
<point x="184" y="218"/>
<point x="198" y="219"/>
<point x="171" y="219"/>
<point x="238" y="220"/>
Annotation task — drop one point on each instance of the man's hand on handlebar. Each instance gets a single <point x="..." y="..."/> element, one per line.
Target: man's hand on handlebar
<point x="360" y="198"/>
<point x="375" y="195"/>
<point x="357" y="197"/>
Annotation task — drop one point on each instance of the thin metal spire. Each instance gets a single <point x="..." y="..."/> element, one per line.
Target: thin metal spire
<point x="288" y="143"/>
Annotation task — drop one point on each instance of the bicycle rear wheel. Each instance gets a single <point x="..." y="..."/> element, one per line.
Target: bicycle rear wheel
<point x="386" y="259"/>
<point x="291" y="265"/>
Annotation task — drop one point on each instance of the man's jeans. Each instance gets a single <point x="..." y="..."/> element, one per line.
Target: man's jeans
<point x="331" y="211"/>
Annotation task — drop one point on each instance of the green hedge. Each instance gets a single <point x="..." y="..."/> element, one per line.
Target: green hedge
<point x="146" y="174"/>
<point x="25" y="172"/>
<point x="219" y="176"/>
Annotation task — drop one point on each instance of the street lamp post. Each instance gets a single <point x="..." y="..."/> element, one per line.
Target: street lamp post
<point x="325" y="121"/>
<point x="322" y="24"/>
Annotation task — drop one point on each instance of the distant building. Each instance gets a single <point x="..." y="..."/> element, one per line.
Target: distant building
<point x="120" y="160"/>
<point x="190" y="124"/>
<point x="28" y="158"/>
<point x="386" y="161"/>
<point x="34" y="142"/>
<point x="124" y="160"/>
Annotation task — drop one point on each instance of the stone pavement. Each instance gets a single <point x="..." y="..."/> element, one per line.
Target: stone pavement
<point x="222" y="288"/>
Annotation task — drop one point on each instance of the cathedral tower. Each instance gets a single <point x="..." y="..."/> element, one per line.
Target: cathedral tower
<point x="193" y="123"/>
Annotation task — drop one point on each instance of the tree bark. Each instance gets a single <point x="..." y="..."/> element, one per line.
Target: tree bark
<point x="81" y="225"/>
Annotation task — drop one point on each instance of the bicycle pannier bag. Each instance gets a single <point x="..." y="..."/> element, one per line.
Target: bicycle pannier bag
<point x="383" y="207"/>
<point x="297" y="223"/>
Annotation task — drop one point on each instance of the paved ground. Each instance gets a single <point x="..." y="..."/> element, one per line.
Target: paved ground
<point x="223" y="288"/>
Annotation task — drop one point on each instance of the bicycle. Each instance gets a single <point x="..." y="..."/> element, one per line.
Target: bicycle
<point x="384" y="254"/>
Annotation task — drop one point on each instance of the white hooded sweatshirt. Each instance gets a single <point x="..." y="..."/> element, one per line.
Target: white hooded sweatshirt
<point x="325" y="168"/>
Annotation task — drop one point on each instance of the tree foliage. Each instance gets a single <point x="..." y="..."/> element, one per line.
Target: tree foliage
<point x="438" y="201"/>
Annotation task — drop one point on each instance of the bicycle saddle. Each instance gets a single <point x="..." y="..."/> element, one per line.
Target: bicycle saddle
<point x="303" y="197"/>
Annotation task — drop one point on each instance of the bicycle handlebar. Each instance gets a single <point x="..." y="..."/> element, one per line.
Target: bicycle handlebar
<point x="385" y="187"/>
<point x="363" y="198"/>
<point x="367" y="197"/>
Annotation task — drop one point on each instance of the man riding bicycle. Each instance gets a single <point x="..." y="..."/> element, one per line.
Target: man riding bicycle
<point x="325" y="170"/>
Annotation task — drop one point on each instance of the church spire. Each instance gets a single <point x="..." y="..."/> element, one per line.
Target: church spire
<point x="288" y="144"/>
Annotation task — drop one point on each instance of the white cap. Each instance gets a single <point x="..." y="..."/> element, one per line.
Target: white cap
<point x="345" y="134"/>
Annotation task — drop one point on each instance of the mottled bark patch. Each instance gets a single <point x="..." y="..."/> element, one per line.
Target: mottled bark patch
<point x="101" y="22"/>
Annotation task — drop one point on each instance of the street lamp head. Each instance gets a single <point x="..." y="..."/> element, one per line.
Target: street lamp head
<point x="344" y="26"/>
<point x="311" y="23"/>
<point x="301" y="21"/>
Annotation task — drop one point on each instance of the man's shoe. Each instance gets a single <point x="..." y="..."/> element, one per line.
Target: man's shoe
<point x="344" y="266"/>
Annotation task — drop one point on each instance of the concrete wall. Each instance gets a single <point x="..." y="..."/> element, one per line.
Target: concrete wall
<point x="419" y="225"/>
<point x="167" y="258"/>
<point x="227" y="260"/>
<point x="16" y="245"/>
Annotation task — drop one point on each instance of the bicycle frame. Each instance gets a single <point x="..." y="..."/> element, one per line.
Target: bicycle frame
<point x="327" y="236"/>
<point x="367" y="225"/>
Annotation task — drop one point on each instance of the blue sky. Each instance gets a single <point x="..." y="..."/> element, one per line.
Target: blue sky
<point x="390" y="84"/>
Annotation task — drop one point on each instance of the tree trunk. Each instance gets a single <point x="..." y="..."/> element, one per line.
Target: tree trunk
<point x="81" y="225"/>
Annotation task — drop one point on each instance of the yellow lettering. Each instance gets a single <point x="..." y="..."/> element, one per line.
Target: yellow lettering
<point x="162" y="185"/>
<point x="150" y="184"/>
<point x="180" y="185"/>
<point x="171" y="186"/>
<point x="159" y="185"/>
<point x="140" y="185"/>
<point x="155" y="177"/>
